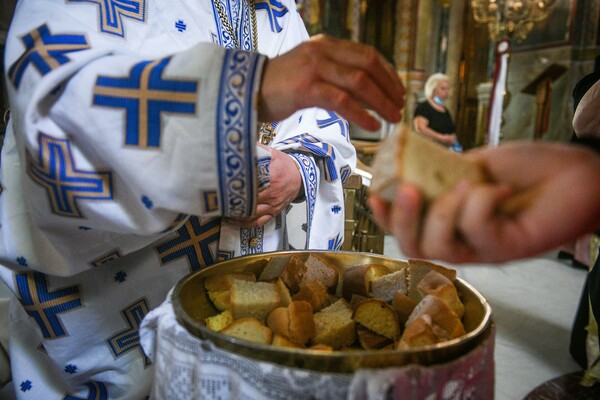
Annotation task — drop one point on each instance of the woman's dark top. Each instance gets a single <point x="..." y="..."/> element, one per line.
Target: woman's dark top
<point x="438" y="121"/>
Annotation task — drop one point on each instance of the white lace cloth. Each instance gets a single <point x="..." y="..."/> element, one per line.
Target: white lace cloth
<point x="187" y="367"/>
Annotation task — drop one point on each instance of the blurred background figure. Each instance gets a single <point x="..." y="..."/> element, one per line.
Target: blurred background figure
<point x="432" y="118"/>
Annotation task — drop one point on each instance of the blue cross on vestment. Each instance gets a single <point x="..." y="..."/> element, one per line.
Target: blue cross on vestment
<point x="129" y="339"/>
<point x="145" y="95"/>
<point x="55" y="170"/>
<point x="97" y="391"/>
<point x="335" y="243"/>
<point x="45" y="52"/>
<point x="192" y="241"/>
<point x="112" y="13"/>
<point x="335" y="119"/>
<point x="274" y="10"/>
<point x="345" y="173"/>
<point x="309" y="143"/>
<point x="44" y="306"/>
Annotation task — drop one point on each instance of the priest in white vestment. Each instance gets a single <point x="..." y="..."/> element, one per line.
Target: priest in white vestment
<point x="130" y="160"/>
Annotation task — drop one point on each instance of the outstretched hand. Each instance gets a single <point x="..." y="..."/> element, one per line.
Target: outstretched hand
<point x="464" y="224"/>
<point x="338" y="75"/>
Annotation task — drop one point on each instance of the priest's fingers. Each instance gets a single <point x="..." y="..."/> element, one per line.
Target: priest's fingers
<point x="366" y="60"/>
<point x="335" y="98"/>
<point x="337" y="75"/>
<point x="362" y="88"/>
<point x="263" y="215"/>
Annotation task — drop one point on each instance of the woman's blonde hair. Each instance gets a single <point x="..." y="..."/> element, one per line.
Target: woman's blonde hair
<point x="432" y="83"/>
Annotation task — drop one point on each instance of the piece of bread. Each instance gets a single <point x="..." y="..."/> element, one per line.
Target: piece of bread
<point x="253" y="299"/>
<point x="445" y="323"/>
<point x="220" y="321"/>
<point x="282" y="341"/>
<point x="318" y="269"/>
<point x="224" y="281"/>
<point x="250" y="329"/>
<point x="418" y="160"/>
<point x="370" y="340"/>
<point x="406" y="156"/>
<point x="220" y="299"/>
<point x="436" y="284"/>
<point x="279" y="321"/>
<point x="295" y="322"/>
<point x="419" y="332"/>
<point x="404" y="306"/>
<point x="386" y="286"/>
<point x="297" y="272"/>
<point x="417" y="269"/>
<point x="274" y="268"/>
<point x="335" y="326"/>
<point x="315" y="293"/>
<point x="377" y="316"/>
<point x="321" y="347"/>
<point x="397" y="265"/>
<point x="284" y="292"/>
<point x="356" y="299"/>
<point x="357" y="278"/>
<point x="293" y="272"/>
<point x="302" y="322"/>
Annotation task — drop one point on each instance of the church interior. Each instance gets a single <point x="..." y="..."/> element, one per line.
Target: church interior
<point x="549" y="45"/>
<point x="427" y="36"/>
<point x="546" y="57"/>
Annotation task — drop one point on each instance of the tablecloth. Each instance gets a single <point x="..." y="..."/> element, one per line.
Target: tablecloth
<point x="187" y="367"/>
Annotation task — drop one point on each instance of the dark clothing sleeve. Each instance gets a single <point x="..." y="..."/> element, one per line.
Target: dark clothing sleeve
<point x="591" y="290"/>
<point x="589" y="295"/>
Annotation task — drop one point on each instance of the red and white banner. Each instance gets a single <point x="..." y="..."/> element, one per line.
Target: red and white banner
<point x="497" y="95"/>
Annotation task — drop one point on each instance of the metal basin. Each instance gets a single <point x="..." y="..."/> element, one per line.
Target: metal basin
<point x="192" y="306"/>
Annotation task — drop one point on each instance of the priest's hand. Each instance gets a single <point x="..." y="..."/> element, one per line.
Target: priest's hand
<point x="285" y="186"/>
<point x="333" y="74"/>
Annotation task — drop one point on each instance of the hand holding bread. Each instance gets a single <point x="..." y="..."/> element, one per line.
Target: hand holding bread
<point x="535" y="196"/>
<point x="417" y="160"/>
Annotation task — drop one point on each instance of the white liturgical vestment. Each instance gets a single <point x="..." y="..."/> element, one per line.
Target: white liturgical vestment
<point x="133" y="130"/>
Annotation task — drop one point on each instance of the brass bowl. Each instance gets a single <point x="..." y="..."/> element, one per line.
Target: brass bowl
<point x="192" y="306"/>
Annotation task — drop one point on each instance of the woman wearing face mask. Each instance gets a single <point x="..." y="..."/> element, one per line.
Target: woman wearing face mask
<point x="432" y="118"/>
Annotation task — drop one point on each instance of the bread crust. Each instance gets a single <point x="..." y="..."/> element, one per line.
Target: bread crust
<point x="445" y="324"/>
<point x="250" y="329"/>
<point x="335" y="326"/>
<point x="420" y="161"/>
<point x="377" y="316"/>
<point x="357" y="278"/>
<point x="253" y="299"/>
<point x="315" y="293"/>
<point x="436" y="284"/>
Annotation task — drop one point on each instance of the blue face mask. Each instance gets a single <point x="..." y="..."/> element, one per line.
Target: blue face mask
<point x="437" y="100"/>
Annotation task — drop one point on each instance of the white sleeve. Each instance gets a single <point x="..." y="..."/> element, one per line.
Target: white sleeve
<point x="319" y="141"/>
<point x="121" y="143"/>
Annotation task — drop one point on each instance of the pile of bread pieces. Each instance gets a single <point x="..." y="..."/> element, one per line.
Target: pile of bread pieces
<point x="303" y="301"/>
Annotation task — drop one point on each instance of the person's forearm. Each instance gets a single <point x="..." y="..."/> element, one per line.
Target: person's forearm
<point x="435" y="135"/>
